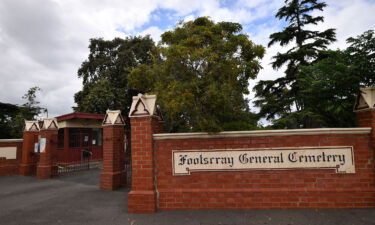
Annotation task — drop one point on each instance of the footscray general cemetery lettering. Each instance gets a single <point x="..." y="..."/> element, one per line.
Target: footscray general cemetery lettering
<point x="339" y="158"/>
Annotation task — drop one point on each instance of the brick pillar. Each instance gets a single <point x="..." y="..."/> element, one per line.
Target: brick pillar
<point x="366" y="118"/>
<point x="144" y="122"/>
<point x="30" y="138"/>
<point x="365" y="110"/>
<point x="48" y="144"/>
<point x="113" y="175"/>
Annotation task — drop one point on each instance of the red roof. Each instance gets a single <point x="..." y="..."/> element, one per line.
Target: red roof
<point x="80" y="115"/>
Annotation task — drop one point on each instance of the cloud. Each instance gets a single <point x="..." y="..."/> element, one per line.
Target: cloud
<point x="43" y="43"/>
<point x="154" y="32"/>
<point x="350" y="18"/>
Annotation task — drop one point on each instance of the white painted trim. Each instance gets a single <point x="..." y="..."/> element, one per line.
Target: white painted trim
<point x="10" y="140"/>
<point x="260" y="133"/>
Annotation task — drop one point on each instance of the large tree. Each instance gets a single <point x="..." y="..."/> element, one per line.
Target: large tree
<point x="12" y="116"/>
<point x="200" y="74"/>
<point x="362" y="54"/>
<point x="279" y="99"/>
<point x="329" y="86"/>
<point x="105" y="73"/>
<point x="30" y="109"/>
<point x="8" y="114"/>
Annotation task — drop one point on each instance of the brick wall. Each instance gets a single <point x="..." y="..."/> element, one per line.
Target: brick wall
<point x="154" y="186"/>
<point x="256" y="189"/>
<point x="10" y="166"/>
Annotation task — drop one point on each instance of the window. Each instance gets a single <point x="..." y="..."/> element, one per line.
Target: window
<point x="60" y="138"/>
<point x="85" y="137"/>
<point x="96" y="137"/>
<point x="74" y="137"/>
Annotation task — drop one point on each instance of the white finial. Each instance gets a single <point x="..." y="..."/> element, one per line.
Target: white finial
<point x="49" y="123"/>
<point x="365" y="99"/>
<point x="113" y="117"/>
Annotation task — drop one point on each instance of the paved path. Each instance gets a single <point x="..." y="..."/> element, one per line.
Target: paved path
<point x="78" y="200"/>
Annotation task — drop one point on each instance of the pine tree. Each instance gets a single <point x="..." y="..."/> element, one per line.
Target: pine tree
<point x="278" y="99"/>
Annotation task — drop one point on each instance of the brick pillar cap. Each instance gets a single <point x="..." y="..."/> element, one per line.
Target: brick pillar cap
<point x="144" y="106"/>
<point x="113" y="117"/>
<point x="365" y="99"/>
<point x="31" y="125"/>
<point x="50" y="124"/>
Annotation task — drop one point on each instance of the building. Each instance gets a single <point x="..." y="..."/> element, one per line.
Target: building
<point x="78" y="132"/>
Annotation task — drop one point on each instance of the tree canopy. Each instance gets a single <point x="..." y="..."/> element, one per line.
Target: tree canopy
<point x="201" y="69"/>
<point x="105" y="73"/>
<point x="12" y="116"/>
<point x="200" y="73"/>
<point x="361" y="54"/>
<point x="8" y="114"/>
<point x="279" y="99"/>
<point x="329" y="86"/>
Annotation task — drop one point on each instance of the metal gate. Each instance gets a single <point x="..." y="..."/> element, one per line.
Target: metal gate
<point x="128" y="172"/>
<point x="127" y="158"/>
<point x="71" y="167"/>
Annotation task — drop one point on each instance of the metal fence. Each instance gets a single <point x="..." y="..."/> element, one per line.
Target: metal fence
<point x="72" y="167"/>
<point x="128" y="170"/>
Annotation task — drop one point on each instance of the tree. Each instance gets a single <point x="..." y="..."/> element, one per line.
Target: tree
<point x="362" y="55"/>
<point x="12" y="117"/>
<point x="8" y="113"/>
<point x="105" y="73"/>
<point x="279" y="99"/>
<point x="329" y="86"/>
<point x="200" y="73"/>
<point x="328" y="90"/>
<point x="31" y="108"/>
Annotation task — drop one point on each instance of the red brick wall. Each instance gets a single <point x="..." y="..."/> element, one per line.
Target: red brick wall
<point x="255" y="189"/>
<point x="10" y="166"/>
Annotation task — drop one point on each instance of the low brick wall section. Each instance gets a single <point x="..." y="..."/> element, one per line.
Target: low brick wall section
<point x="257" y="189"/>
<point x="10" y="156"/>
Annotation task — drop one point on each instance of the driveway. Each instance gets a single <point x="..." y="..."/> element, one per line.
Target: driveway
<point x="77" y="199"/>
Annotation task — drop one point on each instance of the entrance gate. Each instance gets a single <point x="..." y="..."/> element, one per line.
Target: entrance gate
<point x="61" y="167"/>
<point x="50" y="152"/>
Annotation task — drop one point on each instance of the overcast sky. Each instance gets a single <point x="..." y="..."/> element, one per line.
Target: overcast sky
<point x="43" y="43"/>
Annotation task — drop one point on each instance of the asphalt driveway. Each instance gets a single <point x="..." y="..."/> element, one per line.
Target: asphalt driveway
<point x="78" y="200"/>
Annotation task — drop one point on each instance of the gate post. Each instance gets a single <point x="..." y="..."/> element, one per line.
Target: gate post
<point x="113" y="174"/>
<point x="30" y="138"/>
<point x="144" y="122"/>
<point x="365" y="109"/>
<point x="48" y="145"/>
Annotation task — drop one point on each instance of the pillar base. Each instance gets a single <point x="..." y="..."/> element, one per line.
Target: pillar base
<point x="44" y="172"/>
<point x="112" y="180"/>
<point x="27" y="169"/>
<point x="142" y="202"/>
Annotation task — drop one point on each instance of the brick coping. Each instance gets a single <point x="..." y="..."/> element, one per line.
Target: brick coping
<point x="257" y="190"/>
<point x="11" y="140"/>
<point x="259" y="133"/>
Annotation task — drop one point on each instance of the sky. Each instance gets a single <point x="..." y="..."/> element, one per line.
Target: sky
<point x="44" y="42"/>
